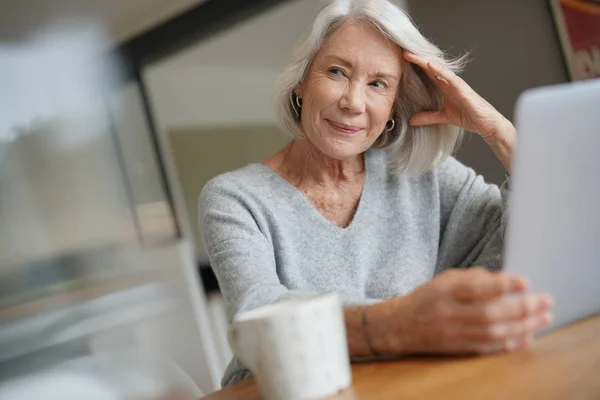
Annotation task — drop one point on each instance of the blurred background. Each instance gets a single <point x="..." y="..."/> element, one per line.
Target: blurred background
<point x="114" y="114"/>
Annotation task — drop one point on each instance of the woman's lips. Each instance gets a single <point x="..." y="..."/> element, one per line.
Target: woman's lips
<point x="346" y="129"/>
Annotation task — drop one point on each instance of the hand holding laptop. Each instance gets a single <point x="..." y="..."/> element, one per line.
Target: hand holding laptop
<point x="466" y="311"/>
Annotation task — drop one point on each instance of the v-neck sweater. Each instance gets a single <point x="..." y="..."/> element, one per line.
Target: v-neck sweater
<point x="266" y="241"/>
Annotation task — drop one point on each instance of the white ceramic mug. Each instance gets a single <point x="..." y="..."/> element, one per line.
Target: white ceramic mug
<point x="296" y="348"/>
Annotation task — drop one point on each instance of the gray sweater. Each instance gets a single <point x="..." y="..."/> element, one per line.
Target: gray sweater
<point x="266" y="241"/>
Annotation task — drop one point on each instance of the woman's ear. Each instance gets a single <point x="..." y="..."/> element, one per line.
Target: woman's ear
<point x="393" y="112"/>
<point x="299" y="89"/>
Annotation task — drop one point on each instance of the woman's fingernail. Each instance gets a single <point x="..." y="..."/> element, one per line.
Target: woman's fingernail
<point x="519" y="282"/>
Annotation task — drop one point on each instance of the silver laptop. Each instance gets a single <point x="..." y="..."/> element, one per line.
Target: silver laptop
<point x="553" y="235"/>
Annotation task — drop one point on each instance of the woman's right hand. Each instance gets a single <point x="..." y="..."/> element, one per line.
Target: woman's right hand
<point x="460" y="311"/>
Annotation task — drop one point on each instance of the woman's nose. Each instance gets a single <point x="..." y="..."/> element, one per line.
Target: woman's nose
<point x="353" y="99"/>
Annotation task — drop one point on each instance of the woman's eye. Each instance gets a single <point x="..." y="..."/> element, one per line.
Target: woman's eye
<point x="379" y="84"/>
<point x="335" y="71"/>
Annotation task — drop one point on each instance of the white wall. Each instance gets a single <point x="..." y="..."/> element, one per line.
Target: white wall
<point x="188" y="96"/>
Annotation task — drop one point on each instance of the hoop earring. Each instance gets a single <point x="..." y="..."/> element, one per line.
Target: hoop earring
<point x="298" y="101"/>
<point x="391" y="127"/>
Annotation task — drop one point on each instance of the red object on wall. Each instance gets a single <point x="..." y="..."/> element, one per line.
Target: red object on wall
<point x="579" y="21"/>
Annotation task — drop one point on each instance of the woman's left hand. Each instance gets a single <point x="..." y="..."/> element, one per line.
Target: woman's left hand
<point x="464" y="108"/>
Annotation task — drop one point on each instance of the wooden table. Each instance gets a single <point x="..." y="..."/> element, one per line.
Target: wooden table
<point x="564" y="364"/>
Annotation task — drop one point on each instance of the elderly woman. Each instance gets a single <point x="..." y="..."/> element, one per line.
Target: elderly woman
<point x="367" y="202"/>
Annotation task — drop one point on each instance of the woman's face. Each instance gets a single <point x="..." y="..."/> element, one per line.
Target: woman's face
<point x="349" y="90"/>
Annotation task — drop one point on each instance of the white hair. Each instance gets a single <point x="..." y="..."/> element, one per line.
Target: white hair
<point x="414" y="149"/>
